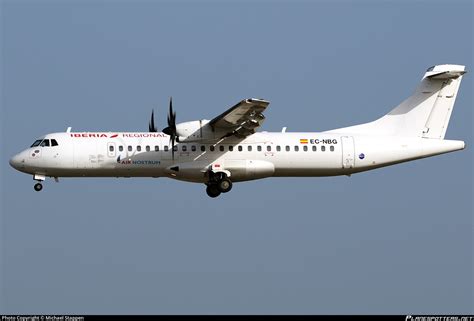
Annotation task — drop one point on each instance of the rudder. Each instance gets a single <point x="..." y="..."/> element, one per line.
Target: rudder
<point x="440" y="114"/>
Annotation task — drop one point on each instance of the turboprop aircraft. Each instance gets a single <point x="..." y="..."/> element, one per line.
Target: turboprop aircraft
<point x="228" y="148"/>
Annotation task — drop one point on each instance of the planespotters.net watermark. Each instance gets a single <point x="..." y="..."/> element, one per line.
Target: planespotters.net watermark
<point x="438" y="318"/>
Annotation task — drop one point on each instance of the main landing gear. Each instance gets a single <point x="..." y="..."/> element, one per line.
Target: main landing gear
<point x="38" y="187"/>
<point x="218" y="183"/>
<point x="212" y="190"/>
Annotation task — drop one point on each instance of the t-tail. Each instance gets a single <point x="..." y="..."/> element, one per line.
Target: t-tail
<point x="425" y="114"/>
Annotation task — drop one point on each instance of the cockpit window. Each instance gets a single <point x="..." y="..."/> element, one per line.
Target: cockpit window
<point x="45" y="143"/>
<point x="36" y="143"/>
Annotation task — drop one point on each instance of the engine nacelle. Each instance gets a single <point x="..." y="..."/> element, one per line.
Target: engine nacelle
<point x="196" y="130"/>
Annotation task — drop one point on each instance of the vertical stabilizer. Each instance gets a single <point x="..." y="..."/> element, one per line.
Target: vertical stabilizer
<point x="426" y="113"/>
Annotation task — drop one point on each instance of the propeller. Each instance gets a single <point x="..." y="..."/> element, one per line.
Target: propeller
<point x="151" y="125"/>
<point x="171" y="129"/>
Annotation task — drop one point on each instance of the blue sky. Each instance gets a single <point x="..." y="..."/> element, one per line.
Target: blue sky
<point x="395" y="240"/>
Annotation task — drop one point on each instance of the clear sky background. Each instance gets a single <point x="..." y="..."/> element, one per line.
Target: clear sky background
<point x="395" y="240"/>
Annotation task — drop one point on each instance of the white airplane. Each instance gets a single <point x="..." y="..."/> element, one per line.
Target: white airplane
<point x="228" y="149"/>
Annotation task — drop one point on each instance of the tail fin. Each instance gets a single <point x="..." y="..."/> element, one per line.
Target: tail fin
<point x="424" y="114"/>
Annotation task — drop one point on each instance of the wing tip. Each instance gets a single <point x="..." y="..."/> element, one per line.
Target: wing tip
<point x="257" y="101"/>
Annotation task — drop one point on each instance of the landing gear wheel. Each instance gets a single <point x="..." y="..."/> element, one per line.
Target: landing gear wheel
<point x="213" y="191"/>
<point x="224" y="185"/>
<point x="38" y="187"/>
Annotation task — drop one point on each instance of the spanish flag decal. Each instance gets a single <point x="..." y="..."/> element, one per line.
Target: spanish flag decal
<point x="303" y="141"/>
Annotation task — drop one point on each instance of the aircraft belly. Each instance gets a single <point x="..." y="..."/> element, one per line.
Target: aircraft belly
<point x="104" y="172"/>
<point x="375" y="152"/>
<point x="310" y="164"/>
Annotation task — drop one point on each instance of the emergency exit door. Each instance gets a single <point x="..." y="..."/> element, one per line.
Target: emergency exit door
<point x="111" y="149"/>
<point x="348" y="151"/>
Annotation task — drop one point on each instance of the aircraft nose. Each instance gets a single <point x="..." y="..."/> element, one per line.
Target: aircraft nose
<point x="16" y="161"/>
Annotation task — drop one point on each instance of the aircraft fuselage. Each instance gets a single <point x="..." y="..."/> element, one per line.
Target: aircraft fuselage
<point x="263" y="154"/>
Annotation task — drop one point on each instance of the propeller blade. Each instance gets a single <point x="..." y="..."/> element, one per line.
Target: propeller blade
<point x="172" y="146"/>
<point x="171" y="129"/>
<point x="151" y="125"/>
<point x="171" y="115"/>
<point x="167" y="131"/>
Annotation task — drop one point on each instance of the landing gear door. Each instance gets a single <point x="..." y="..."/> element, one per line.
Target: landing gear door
<point x="348" y="157"/>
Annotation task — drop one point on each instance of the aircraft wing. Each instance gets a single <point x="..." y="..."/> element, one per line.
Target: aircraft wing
<point x="242" y="119"/>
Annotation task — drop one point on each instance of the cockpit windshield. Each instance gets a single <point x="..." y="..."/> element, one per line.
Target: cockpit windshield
<point x="36" y="143"/>
<point x="45" y="143"/>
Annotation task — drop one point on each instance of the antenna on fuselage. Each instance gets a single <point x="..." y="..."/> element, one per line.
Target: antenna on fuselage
<point x="68" y="130"/>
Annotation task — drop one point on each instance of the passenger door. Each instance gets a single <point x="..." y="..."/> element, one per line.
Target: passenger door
<point x="348" y="157"/>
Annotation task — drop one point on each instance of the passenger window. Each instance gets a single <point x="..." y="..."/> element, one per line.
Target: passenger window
<point x="111" y="148"/>
<point x="297" y="148"/>
<point x="129" y="148"/>
<point x="259" y="148"/>
<point x="139" y="148"/>
<point x="269" y="148"/>
<point x="287" y="148"/>
<point x="305" y="148"/>
<point x="45" y="143"/>
<point x="121" y="148"/>
<point x="167" y="148"/>
<point x="221" y="148"/>
<point x="278" y="148"/>
<point x="54" y="142"/>
<point x="175" y="148"/>
<point x="193" y="148"/>
<point x="184" y="148"/>
<point x="240" y="148"/>
<point x="212" y="148"/>
<point x="203" y="148"/>
<point x="157" y="148"/>
<point x="231" y="148"/>
<point x="331" y="148"/>
<point x="314" y="148"/>
<point x="147" y="148"/>
<point x="323" y="148"/>
<point x="249" y="148"/>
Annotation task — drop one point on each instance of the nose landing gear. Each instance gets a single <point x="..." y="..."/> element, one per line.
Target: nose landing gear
<point x="38" y="187"/>
<point x="39" y="178"/>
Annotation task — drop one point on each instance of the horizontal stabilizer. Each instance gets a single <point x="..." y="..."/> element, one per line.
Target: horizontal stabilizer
<point x="447" y="74"/>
